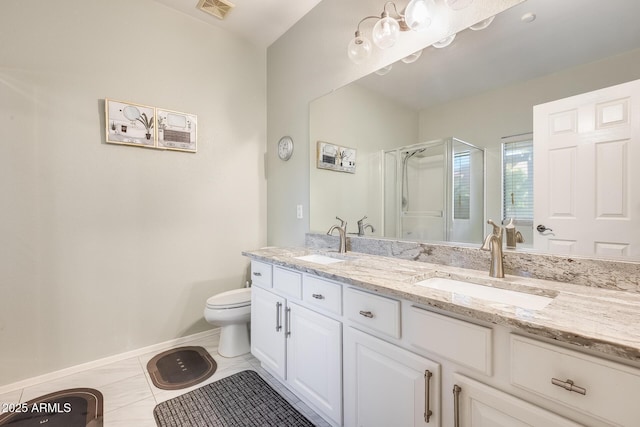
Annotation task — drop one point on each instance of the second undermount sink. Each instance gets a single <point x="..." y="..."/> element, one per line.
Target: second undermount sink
<point x="499" y="295"/>
<point x="319" y="259"/>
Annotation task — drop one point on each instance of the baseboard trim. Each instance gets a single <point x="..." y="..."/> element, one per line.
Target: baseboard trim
<point x="106" y="361"/>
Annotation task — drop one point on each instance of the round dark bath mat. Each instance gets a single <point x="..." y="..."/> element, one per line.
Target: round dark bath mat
<point x="181" y="367"/>
<point x="76" y="407"/>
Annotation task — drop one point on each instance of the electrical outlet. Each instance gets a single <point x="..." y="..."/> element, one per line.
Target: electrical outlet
<point x="299" y="211"/>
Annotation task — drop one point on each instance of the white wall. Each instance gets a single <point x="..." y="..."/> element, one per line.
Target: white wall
<point x="108" y="248"/>
<point x="374" y="124"/>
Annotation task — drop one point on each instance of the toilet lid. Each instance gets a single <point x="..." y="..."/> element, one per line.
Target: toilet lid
<point x="230" y="299"/>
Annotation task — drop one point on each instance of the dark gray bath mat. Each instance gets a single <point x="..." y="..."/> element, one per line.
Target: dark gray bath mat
<point x="181" y="367"/>
<point x="242" y="399"/>
<point x="76" y="407"/>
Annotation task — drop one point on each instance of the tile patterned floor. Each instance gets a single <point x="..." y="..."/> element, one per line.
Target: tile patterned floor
<point x="130" y="396"/>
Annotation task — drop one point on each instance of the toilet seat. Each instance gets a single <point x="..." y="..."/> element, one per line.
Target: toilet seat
<point x="230" y="299"/>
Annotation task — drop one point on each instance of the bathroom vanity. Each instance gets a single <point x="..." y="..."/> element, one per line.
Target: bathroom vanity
<point x="377" y="341"/>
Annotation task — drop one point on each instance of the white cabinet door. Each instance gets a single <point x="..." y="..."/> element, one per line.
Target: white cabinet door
<point x="386" y="385"/>
<point x="314" y="362"/>
<point x="267" y="330"/>
<point x="586" y="175"/>
<point x="482" y="406"/>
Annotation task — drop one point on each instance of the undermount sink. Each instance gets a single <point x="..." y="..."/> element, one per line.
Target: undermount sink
<point x="319" y="259"/>
<point x="505" y="296"/>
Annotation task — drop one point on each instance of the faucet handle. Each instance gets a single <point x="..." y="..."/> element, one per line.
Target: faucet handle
<point x="497" y="230"/>
<point x="361" y="220"/>
<point x="343" y="223"/>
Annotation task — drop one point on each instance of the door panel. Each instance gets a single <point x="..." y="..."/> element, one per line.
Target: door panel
<point x="585" y="151"/>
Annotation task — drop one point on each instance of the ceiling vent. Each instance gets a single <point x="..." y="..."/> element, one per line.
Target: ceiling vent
<point x="217" y="8"/>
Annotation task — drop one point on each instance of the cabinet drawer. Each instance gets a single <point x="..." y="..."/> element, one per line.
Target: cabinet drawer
<point x="611" y="389"/>
<point x="322" y="294"/>
<point x="261" y="274"/>
<point x="375" y="312"/>
<point x="287" y="282"/>
<point x="462" y="342"/>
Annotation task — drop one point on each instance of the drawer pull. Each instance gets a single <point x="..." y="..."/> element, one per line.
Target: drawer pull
<point x="568" y="385"/>
<point x="367" y="314"/>
<point x="317" y="296"/>
<point x="257" y="273"/>
<point x="456" y="405"/>
<point x="287" y="320"/>
<point x="427" y="410"/>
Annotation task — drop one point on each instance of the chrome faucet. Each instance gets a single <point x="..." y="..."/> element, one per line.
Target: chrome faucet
<point x="493" y="243"/>
<point x="362" y="226"/>
<point x="342" y="229"/>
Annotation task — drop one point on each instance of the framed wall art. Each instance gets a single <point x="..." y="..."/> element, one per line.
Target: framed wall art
<point x="336" y="158"/>
<point x="177" y="131"/>
<point x="130" y="124"/>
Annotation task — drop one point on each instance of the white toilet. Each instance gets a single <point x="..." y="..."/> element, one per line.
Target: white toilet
<point x="231" y="311"/>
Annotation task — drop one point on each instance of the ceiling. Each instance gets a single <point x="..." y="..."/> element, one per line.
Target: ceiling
<point x="564" y="34"/>
<point x="260" y="22"/>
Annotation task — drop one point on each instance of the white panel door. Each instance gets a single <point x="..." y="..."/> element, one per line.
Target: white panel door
<point x="386" y="385"/>
<point x="267" y="330"/>
<point x="314" y="359"/>
<point x="586" y="173"/>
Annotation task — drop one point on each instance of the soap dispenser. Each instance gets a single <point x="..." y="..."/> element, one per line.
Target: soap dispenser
<point x="513" y="236"/>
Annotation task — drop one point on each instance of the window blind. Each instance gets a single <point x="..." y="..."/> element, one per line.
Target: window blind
<point x="517" y="173"/>
<point x="461" y="185"/>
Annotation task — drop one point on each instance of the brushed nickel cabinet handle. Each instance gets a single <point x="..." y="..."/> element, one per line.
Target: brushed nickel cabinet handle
<point x="278" y="316"/>
<point x="569" y="386"/>
<point x="367" y="314"/>
<point x="427" y="410"/>
<point x="317" y="296"/>
<point x="287" y="320"/>
<point x="257" y="273"/>
<point x="456" y="405"/>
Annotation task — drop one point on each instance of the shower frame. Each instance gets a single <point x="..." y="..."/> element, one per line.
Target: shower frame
<point x="448" y="199"/>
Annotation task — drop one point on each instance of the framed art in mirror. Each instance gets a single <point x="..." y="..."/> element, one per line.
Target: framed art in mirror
<point x="336" y="158"/>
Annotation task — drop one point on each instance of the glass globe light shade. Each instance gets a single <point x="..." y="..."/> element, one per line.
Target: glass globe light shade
<point x="482" y="24"/>
<point x="412" y="58"/>
<point x="385" y="32"/>
<point x="384" y="70"/>
<point x="359" y="49"/>
<point x="419" y="14"/>
<point x="458" y="4"/>
<point x="444" y="42"/>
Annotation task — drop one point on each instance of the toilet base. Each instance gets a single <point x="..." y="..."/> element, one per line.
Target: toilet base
<point x="234" y="340"/>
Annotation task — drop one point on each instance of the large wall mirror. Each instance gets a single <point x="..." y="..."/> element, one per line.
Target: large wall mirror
<point x="480" y="91"/>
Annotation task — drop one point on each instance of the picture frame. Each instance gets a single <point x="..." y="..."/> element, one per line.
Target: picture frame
<point x="335" y="157"/>
<point x="176" y="130"/>
<point x="128" y="123"/>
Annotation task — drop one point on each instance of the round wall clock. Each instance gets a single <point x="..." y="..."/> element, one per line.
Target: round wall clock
<point x="285" y="147"/>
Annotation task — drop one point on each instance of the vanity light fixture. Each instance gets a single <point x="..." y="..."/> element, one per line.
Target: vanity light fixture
<point x="444" y="42"/>
<point x="412" y="58"/>
<point x="384" y="70"/>
<point x="417" y="17"/>
<point x="458" y="4"/>
<point x="482" y="24"/>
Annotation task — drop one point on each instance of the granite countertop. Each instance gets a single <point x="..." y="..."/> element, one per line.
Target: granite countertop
<point x="603" y="320"/>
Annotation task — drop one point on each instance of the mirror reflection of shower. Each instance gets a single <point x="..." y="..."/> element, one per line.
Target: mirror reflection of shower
<point x="405" y="177"/>
<point x="434" y="191"/>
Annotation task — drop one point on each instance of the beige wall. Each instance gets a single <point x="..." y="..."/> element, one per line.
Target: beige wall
<point x="109" y="248"/>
